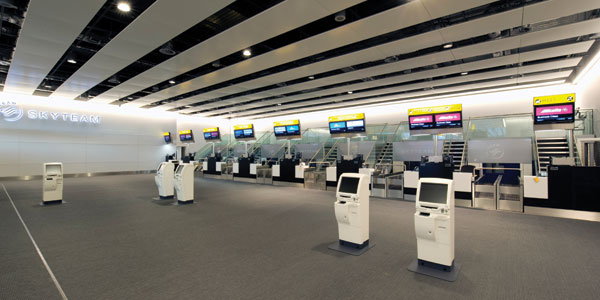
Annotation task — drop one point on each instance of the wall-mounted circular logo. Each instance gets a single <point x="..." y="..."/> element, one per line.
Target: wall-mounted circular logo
<point x="495" y="151"/>
<point x="11" y="112"/>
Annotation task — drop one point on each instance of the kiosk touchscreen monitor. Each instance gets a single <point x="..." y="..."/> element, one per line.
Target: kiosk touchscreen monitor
<point x="433" y="193"/>
<point x="349" y="185"/>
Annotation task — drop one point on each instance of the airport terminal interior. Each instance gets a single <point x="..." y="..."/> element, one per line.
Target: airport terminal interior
<point x="299" y="149"/>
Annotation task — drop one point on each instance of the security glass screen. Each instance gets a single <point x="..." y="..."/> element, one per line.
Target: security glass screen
<point x="349" y="185"/>
<point x="433" y="193"/>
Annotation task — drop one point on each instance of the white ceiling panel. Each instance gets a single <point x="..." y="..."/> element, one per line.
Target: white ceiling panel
<point x="454" y="80"/>
<point x="49" y="29"/>
<point x="554" y="9"/>
<point x="151" y="29"/>
<point x="457" y="32"/>
<point x="340" y="36"/>
<point x="268" y="24"/>
<point x="410" y="63"/>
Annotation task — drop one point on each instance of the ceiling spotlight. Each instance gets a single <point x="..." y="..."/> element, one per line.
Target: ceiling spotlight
<point x="114" y="80"/>
<point x="447" y="46"/>
<point x="278" y="104"/>
<point x="349" y="92"/>
<point x="464" y="73"/>
<point x="172" y="81"/>
<point x="71" y="61"/>
<point x="340" y="16"/>
<point x="311" y="77"/>
<point x="247" y="53"/>
<point x="217" y="64"/>
<point x="124" y="6"/>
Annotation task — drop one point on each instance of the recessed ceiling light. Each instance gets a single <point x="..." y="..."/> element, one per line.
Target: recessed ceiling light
<point x="172" y="81"/>
<point x="349" y="92"/>
<point x="311" y="77"/>
<point x="448" y="46"/>
<point x="71" y="61"/>
<point x="278" y="104"/>
<point x="124" y="6"/>
<point x="247" y="53"/>
<point x="464" y="73"/>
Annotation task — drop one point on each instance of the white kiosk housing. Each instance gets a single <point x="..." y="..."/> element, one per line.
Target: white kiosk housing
<point x="164" y="180"/>
<point x="352" y="213"/>
<point x="434" y="228"/>
<point x="53" y="183"/>
<point x="184" y="183"/>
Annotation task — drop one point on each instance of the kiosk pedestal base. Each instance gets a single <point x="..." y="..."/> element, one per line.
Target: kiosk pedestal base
<point x="435" y="270"/>
<point x="53" y="202"/>
<point x="178" y="202"/>
<point x="337" y="246"/>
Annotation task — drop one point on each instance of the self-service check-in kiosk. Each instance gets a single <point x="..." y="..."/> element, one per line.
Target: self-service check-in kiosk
<point x="53" y="183"/>
<point x="434" y="229"/>
<point x="184" y="183"/>
<point x="352" y="214"/>
<point x="164" y="180"/>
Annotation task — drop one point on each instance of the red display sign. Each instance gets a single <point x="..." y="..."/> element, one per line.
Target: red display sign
<point x="554" y="110"/>
<point x="447" y="117"/>
<point x="421" y="119"/>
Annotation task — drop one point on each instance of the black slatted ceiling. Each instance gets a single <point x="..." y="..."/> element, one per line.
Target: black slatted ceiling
<point x="11" y="20"/>
<point x="354" y="13"/>
<point x="464" y="16"/>
<point x="104" y="26"/>
<point x="231" y="15"/>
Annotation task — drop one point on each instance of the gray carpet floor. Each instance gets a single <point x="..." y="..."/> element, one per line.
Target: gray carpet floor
<point x="248" y="241"/>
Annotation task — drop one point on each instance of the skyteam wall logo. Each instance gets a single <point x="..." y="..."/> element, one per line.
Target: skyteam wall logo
<point x="11" y="112"/>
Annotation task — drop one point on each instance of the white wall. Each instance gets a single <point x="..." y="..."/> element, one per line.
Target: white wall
<point x="588" y="90"/>
<point x="478" y="105"/>
<point x="125" y="140"/>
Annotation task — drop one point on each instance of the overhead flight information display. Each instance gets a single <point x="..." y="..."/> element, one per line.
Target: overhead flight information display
<point x="554" y="109"/>
<point x="286" y="129"/>
<point x="353" y="123"/>
<point x="243" y="131"/>
<point x="212" y="133"/>
<point x="186" y="136"/>
<point x="167" y="137"/>
<point x="435" y="117"/>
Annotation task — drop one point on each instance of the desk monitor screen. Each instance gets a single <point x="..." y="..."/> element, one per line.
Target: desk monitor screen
<point x="421" y="122"/>
<point x="433" y="193"/>
<point x="550" y="114"/>
<point x="349" y="185"/>
<point x="449" y="120"/>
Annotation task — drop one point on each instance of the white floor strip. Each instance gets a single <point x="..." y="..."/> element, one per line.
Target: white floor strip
<point x="60" y="290"/>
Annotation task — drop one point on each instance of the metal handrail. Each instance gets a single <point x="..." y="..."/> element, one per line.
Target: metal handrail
<point x="260" y="142"/>
<point x="465" y="139"/>
<point x="332" y="147"/>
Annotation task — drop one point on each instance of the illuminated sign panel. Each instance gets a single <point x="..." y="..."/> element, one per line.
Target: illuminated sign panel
<point x="352" y="123"/>
<point x="186" y="136"/>
<point x="211" y="133"/>
<point x="167" y="137"/>
<point x="286" y="128"/>
<point x="554" y="109"/>
<point x="243" y="131"/>
<point x="435" y="117"/>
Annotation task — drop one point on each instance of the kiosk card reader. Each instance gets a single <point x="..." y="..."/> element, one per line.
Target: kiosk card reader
<point x="53" y="183"/>
<point x="352" y="214"/>
<point x="184" y="183"/>
<point x="434" y="228"/>
<point x="164" y="180"/>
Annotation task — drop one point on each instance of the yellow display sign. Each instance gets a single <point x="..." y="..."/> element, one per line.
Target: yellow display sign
<point x="212" y="129"/>
<point x="185" y="131"/>
<point x="167" y="133"/>
<point x="247" y="126"/>
<point x="554" y="99"/>
<point x="286" y="123"/>
<point x="434" y="109"/>
<point x="349" y="117"/>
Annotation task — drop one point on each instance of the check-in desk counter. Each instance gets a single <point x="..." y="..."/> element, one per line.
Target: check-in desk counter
<point x="486" y="191"/>
<point x="288" y="173"/>
<point x="314" y="179"/>
<point x="510" y="193"/>
<point x="378" y="185"/>
<point x="331" y="178"/>
<point x="244" y="170"/>
<point x="568" y="191"/>
<point x="390" y="186"/>
<point x="463" y="188"/>
<point x="411" y="182"/>
<point x="264" y="174"/>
